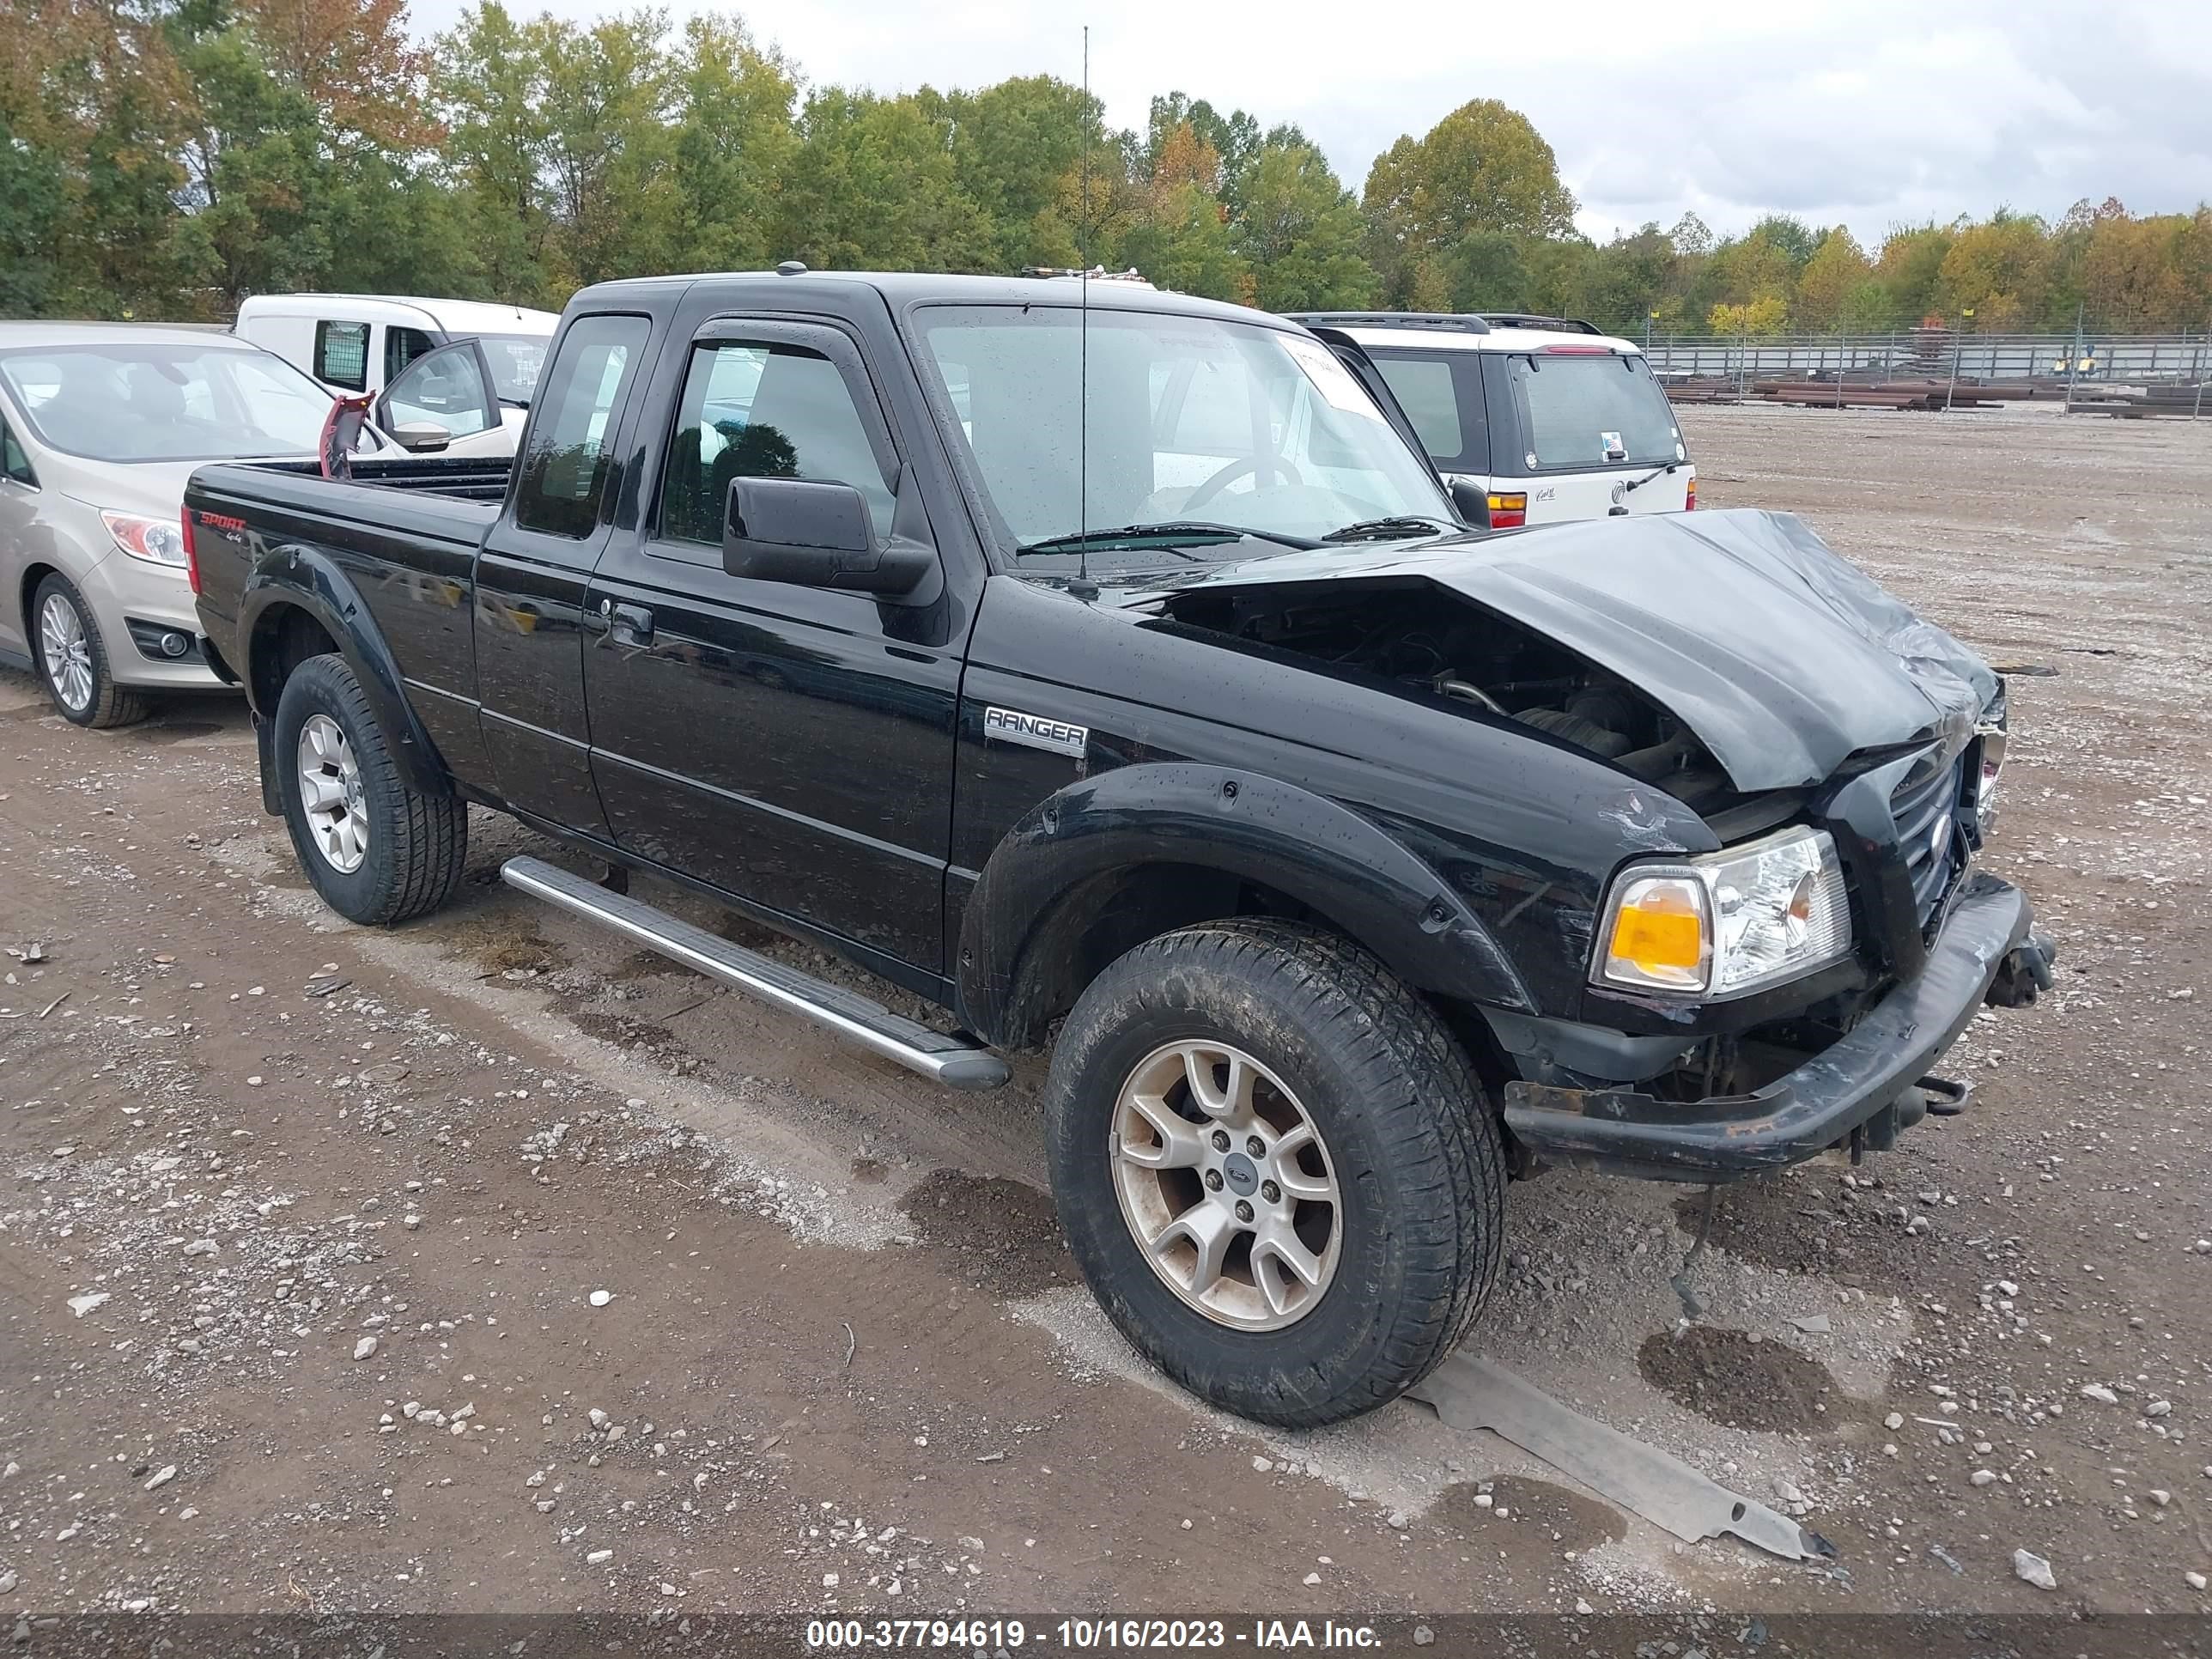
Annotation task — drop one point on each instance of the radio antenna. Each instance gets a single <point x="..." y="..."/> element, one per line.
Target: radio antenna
<point x="1083" y="346"/>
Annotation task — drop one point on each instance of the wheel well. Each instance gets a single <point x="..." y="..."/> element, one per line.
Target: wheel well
<point x="1115" y="911"/>
<point x="284" y="636"/>
<point x="33" y="575"/>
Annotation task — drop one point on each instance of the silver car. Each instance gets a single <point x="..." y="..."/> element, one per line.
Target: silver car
<point x="100" y="425"/>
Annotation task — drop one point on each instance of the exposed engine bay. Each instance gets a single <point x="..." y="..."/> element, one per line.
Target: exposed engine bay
<point x="1426" y="639"/>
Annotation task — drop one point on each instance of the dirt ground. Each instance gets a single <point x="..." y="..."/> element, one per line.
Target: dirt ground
<point x="303" y="1227"/>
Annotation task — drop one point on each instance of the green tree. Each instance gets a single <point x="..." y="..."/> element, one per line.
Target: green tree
<point x="1300" y="232"/>
<point x="1996" y="270"/>
<point x="1486" y="272"/>
<point x="1483" y="168"/>
<point x="1912" y="259"/>
<point x="732" y="141"/>
<point x="871" y="185"/>
<point x="489" y="86"/>
<point x="1013" y="146"/>
<point x="1837" y="271"/>
<point x="608" y="92"/>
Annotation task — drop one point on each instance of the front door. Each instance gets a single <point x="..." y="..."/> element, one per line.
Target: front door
<point x="790" y="745"/>
<point x="531" y="576"/>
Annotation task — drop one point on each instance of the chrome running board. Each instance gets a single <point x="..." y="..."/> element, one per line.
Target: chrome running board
<point x="956" y="1062"/>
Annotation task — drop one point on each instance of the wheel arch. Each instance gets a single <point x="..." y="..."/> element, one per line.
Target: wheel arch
<point x="1111" y="861"/>
<point x="27" y="590"/>
<point x="299" y="604"/>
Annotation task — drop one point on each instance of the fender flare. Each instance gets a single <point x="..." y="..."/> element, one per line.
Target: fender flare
<point x="309" y="580"/>
<point x="1241" y="825"/>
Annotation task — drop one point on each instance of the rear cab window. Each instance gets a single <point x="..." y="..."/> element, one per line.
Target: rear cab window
<point x="565" y="464"/>
<point x="1441" y="392"/>
<point x="1590" y="409"/>
<point x="341" y="353"/>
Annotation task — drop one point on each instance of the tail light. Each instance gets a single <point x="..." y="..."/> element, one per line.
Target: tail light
<point x="1509" y="512"/>
<point x="1690" y="498"/>
<point x="191" y="553"/>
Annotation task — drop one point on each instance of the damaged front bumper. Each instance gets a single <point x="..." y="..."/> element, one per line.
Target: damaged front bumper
<point x="1984" y="950"/>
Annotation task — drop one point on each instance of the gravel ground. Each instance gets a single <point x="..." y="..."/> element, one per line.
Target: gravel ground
<point x="487" y="1264"/>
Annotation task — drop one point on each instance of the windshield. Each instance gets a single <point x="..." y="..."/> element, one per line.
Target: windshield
<point x="1591" y="411"/>
<point x="515" y="360"/>
<point x="1191" y="420"/>
<point x="121" y="401"/>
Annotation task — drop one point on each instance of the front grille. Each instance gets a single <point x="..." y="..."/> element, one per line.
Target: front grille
<point x="1926" y="809"/>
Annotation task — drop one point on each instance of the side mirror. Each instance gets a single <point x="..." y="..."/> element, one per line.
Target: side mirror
<point x="1470" y="502"/>
<point x="421" y="437"/>
<point x="816" y="535"/>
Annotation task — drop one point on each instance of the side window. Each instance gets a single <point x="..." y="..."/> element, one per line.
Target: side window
<point x="341" y="354"/>
<point x="763" y="409"/>
<point x="13" y="461"/>
<point x="445" y="388"/>
<point x="1423" y="388"/>
<point x="402" y="346"/>
<point x="1441" y="392"/>
<point x="566" y="466"/>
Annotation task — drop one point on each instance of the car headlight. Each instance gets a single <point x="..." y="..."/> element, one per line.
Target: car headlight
<point x="1728" y="922"/>
<point x="157" y="541"/>
<point x="1992" y="736"/>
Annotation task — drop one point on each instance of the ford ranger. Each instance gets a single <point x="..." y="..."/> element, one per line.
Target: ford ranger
<point x="1111" y="669"/>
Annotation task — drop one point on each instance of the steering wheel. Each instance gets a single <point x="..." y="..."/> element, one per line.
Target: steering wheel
<point x="1236" y="469"/>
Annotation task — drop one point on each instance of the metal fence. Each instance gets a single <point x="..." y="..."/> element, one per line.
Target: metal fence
<point x="1921" y="353"/>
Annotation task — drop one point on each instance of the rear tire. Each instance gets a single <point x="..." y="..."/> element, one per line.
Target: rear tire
<point x="375" y="848"/>
<point x="1394" y="1202"/>
<point x="73" y="661"/>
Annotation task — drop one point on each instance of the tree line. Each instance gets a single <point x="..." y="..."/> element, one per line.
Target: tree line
<point x="167" y="158"/>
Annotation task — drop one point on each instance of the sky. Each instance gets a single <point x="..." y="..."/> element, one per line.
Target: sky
<point x="1868" y="112"/>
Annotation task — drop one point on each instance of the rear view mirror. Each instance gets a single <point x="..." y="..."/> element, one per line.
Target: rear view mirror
<point x="421" y="437"/>
<point x="815" y="534"/>
<point x="1471" y="503"/>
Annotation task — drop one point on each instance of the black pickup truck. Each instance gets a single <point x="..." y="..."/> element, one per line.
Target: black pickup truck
<point x="1108" y="669"/>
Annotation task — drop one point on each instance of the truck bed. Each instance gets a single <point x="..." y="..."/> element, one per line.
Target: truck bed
<point x="450" y="500"/>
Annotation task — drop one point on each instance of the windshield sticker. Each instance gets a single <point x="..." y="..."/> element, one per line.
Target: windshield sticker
<point x="1331" y="378"/>
<point x="1614" y="449"/>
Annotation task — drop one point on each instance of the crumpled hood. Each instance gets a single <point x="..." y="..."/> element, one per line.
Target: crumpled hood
<point x="1781" y="656"/>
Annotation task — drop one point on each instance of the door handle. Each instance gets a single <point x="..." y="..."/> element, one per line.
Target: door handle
<point x="629" y="624"/>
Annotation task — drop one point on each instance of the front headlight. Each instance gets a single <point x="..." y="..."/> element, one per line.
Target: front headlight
<point x="1728" y="922"/>
<point x="157" y="541"/>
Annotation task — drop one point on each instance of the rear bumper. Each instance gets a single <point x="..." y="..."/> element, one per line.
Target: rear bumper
<point x="1808" y="1110"/>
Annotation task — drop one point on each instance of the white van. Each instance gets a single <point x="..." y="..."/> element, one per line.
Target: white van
<point x="1547" y="418"/>
<point x="369" y="342"/>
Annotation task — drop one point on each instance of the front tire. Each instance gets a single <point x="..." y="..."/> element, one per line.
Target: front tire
<point x="375" y="848"/>
<point x="1275" y="1168"/>
<point x="73" y="661"/>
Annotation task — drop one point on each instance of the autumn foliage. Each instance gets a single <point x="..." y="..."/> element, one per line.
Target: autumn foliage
<point x="167" y="157"/>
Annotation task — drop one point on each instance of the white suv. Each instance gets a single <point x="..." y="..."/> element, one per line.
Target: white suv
<point x="1548" y="419"/>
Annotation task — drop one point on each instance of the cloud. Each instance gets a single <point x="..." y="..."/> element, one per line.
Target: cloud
<point x="1873" y="113"/>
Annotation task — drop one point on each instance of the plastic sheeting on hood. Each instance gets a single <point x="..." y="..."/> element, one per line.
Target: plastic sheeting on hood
<point x="1779" y="653"/>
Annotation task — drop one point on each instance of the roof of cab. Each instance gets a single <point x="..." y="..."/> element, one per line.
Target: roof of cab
<point x="901" y="289"/>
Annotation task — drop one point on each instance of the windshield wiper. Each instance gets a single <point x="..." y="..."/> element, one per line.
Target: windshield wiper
<point x="1191" y="532"/>
<point x="1649" y="476"/>
<point x="1388" y="530"/>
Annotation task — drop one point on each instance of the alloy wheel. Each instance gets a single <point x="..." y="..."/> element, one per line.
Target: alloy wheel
<point x="1226" y="1185"/>
<point x="66" y="650"/>
<point x="330" y="795"/>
